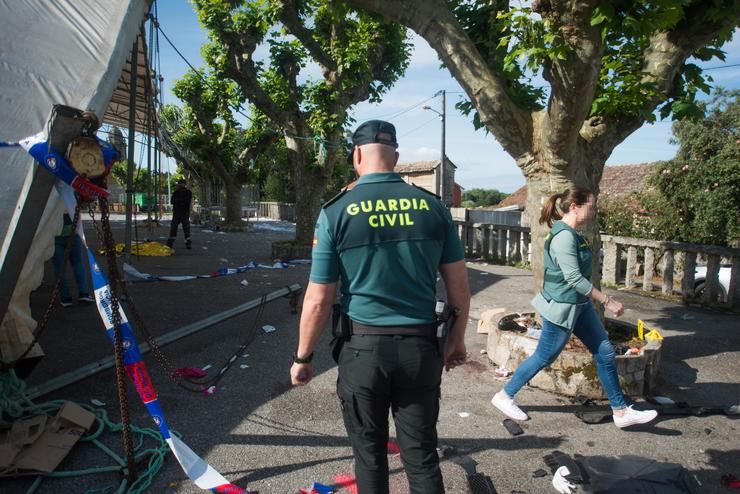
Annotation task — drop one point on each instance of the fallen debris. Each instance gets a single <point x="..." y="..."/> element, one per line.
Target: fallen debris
<point x="513" y="428"/>
<point x="268" y="328"/>
<point x="39" y="444"/>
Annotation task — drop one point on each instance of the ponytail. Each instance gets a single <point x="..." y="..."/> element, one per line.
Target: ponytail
<point x="574" y="195"/>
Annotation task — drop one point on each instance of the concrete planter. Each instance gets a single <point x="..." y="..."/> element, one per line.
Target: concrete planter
<point x="574" y="373"/>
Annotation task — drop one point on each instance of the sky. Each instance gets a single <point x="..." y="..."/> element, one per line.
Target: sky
<point x="480" y="159"/>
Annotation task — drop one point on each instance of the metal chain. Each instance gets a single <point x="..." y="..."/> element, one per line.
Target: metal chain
<point x="113" y="273"/>
<point x="196" y="385"/>
<point x="4" y="367"/>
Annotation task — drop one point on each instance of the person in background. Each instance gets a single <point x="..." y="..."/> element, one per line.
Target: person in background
<point x="565" y="303"/>
<point x="181" y="200"/>
<point x="75" y="259"/>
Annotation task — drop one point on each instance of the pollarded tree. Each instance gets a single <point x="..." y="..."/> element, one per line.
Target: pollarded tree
<point x="609" y="65"/>
<point x="209" y="131"/>
<point x="359" y="56"/>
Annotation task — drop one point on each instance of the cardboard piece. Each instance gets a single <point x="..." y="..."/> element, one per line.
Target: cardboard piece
<point x="22" y="433"/>
<point x="38" y="444"/>
<point x="489" y="319"/>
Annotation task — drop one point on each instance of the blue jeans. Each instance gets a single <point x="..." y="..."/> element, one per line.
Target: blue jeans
<point x="590" y="330"/>
<point x="78" y="266"/>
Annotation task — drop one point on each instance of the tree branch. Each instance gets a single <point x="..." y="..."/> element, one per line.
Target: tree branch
<point x="295" y="27"/>
<point x="433" y="20"/>
<point x="663" y="59"/>
<point x="242" y="70"/>
<point x="263" y="142"/>
<point x="573" y="80"/>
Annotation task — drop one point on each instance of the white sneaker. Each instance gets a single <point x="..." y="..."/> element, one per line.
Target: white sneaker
<point x="632" y="417"/>
<point x="508" y="407"/>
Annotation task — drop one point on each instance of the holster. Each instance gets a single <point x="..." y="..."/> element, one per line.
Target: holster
<point x="340" y="330"/>
<point x="445" y="322"/>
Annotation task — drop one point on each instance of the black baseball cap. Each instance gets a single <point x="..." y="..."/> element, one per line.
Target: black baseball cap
<point x="373" y="131"/>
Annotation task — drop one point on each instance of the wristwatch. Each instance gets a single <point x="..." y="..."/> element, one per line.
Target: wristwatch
<point x="302" y="360"/>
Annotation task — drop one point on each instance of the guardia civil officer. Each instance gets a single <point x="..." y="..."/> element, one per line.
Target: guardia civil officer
<point x="386" y="240"/>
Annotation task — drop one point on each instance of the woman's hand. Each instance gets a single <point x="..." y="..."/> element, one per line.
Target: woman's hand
<point x="614" y="307"/>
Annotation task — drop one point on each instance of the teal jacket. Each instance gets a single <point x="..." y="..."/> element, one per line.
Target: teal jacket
<point x="568" y="259"/>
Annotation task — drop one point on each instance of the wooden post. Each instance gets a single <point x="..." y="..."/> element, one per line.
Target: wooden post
<point x="667" y="273"/>
<point x="526" y="239"/>
<point x="647" y="279"/>
<point x="629" y="279"/>
<point x="687" y="283"/>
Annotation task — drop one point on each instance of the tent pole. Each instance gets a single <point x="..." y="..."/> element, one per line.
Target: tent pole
<point x="131" y="144"/>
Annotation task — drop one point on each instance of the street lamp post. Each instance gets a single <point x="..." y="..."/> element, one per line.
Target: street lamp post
<point x="439" y="176"/>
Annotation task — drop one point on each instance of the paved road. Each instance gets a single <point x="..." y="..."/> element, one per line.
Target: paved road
<point x="261" y="433"/>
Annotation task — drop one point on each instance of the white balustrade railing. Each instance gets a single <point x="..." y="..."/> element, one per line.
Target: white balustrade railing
<point x="662" y="263"/>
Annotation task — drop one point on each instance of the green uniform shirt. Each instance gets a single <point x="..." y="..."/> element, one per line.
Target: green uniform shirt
<point x="384" y="239"/>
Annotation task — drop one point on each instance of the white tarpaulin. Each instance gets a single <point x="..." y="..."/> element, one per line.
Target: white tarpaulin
<point x="69" y="52"/>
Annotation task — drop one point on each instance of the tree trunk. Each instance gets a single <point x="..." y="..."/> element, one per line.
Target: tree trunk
<point x="545" y="180"/>
<point x="310" y="184"/>
<point x="233" y="207"/>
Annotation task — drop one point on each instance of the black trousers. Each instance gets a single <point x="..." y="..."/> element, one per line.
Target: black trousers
<point x="402" y="373"/>
<point x="178" y="218"/>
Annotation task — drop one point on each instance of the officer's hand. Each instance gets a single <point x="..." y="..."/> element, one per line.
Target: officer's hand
<point x="455" y="355"/>
<point x="301" y="374"/>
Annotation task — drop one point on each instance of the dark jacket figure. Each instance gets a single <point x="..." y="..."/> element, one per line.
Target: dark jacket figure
<point x="181" y="200"/>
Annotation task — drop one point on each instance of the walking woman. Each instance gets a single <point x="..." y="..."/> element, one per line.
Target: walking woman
<point x="566" y="306"/>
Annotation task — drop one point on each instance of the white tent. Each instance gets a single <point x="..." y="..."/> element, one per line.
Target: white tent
<point x="70" y="52"/>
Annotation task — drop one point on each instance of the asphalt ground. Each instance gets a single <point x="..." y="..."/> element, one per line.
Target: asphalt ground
<point x="261" y="433"/>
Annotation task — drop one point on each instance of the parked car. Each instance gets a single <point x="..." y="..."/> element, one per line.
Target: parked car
<point x="700" y="281"/>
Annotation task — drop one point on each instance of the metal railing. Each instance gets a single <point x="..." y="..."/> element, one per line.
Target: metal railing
<point x="634" y="262"/>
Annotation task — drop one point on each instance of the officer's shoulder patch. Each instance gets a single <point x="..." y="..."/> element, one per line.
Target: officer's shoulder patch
<point x="427" y="191"/>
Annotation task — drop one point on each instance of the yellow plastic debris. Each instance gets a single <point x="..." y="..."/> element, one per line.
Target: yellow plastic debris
<point x="151" y="249"/>
<point x="652" y="334"/>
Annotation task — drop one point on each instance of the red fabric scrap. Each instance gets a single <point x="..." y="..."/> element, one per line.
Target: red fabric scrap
<point x="730" y="481"/>
<point x="346" y="481"/>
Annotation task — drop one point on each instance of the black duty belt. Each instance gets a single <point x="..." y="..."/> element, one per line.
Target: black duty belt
<point x="429" y="330"/>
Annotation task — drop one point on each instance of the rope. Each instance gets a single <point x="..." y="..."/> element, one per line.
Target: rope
<point x="15" y="404"/>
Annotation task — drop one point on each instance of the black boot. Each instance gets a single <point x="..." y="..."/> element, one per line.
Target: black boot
<point x="188" y="244"/>
<point x="170" y="242"/>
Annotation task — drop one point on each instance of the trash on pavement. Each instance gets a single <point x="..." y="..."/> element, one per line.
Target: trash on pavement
<point x="209" y="391"/>
<point x="561" y="483"/>
<point x="205" y="368"/>
<point x="630" y="473"/>
<point x="40" y="443"/>
<point x="661" y="400"/>
<point x="244" y="366"/>
<point x="97" y="403"/>
<point x="464" y="414"/>
<point x="244" y="282"/>
<point x="191" y="372"/>
<point x="730" y="481"/>
<point x="513" y="428"/>
<point x="268" y="328"/>
<point x="502" y="372"/>
<point x="540" y="472"/>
